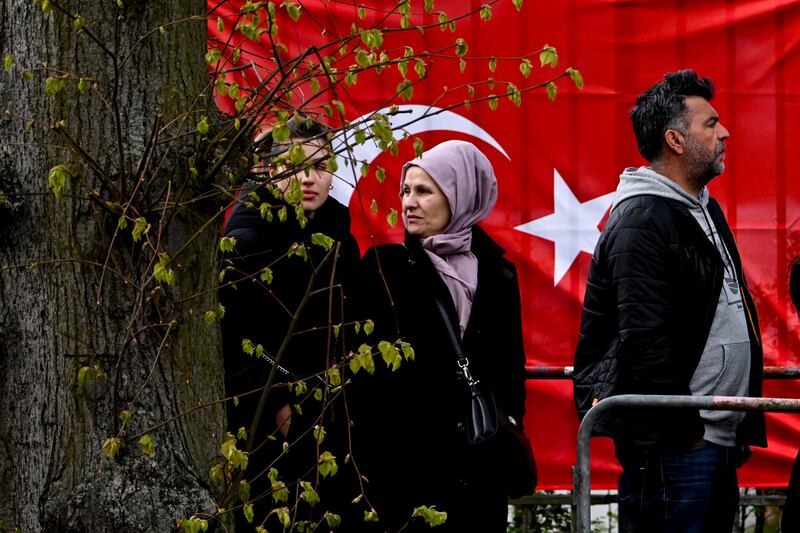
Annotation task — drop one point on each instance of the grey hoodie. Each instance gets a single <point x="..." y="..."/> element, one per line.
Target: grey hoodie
<point x="724" y="367"/>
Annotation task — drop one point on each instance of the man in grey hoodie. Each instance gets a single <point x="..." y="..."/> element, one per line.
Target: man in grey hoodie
<point x="667" y="311"/>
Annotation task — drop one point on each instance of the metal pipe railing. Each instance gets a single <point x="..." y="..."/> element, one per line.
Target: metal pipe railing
<point x="565" y="372"/>
<point x="582" y="474"/>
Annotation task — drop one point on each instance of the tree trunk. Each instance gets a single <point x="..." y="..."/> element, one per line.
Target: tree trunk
<point x="78" y="293"/>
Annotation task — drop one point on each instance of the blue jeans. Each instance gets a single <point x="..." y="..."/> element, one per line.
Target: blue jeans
<point x="692" y="491"/>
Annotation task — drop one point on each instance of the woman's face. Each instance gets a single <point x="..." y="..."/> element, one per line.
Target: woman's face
<point x="315" y="182"/>
<point x="426" y="210"/>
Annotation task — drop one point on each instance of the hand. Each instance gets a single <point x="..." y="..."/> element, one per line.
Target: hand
<point x="283" y="418"/>
<point x="744" y="455"/>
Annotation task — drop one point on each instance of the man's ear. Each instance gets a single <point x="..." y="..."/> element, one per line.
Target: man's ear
<point x="674" y="141"/>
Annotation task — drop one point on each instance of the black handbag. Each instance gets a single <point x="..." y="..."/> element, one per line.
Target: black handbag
<point x="497" y="438"/>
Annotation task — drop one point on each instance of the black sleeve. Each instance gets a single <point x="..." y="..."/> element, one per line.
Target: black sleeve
<point x="641" y="268"/>
<point x="514" y="360"/>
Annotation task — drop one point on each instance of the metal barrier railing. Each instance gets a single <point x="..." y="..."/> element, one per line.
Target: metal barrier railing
<point x="565" y="372"/>
<point x="582" y="474"/>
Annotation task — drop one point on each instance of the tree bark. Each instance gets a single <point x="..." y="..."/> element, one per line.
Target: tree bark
<point x="77" y="292"/>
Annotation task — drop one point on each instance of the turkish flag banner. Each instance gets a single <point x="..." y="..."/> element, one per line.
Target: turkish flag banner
<point x="558" y="162"/>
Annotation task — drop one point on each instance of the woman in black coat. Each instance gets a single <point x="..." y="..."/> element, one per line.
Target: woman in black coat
<point x="263" y="288"/>
<point x="412" y="419"/>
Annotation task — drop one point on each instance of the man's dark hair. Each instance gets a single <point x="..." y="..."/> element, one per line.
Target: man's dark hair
<point x="663" y="107"/>
<point x="299" y="128"/>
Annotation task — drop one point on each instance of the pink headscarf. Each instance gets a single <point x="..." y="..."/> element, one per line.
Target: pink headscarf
<point x="467" y="179"/>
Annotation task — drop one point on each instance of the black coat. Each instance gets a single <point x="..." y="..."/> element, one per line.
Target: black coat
<point x="651" y="297"/>
<point x="261" y="312"/>
<point x="412" y="419"/>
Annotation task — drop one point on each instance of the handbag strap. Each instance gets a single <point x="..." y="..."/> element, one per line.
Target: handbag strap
<point x="461" y="359"/>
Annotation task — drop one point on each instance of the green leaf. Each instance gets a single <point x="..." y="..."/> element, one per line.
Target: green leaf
<point x="83" y="85"/>
<point x="428" y="6"/>
<point x="213" y="55"/>
<point x="419" y="68"/>
<point x="372" y="38"/>
<point x="391" y="218"/>
<point x="373" y="207"/>
<point x="141" y="227"/>
<point x="8" y="61"/>
<point x="380" y="174"/>
<point x="551" y="90"/>
<point x="319" y="433"/>
<point x="431" y="516"/>
<point x="111" y="447"/>
<point x="492" y="64"/>
<point x="461" y="47"/>
<point x="53" y="85"/>
<point x="226" y="244"/>
<point x="57" y="178"/>
<point x="362" y="12"/>
<point x="576" y="77"/>
<point x="282" y="214"/>
<point x="83" y="373"/>
<point x="525" y="68"/>
<point x="202" y="126"/>
<point x="332" y="164"/>
<point x="486" y="12"/>
<point x="162" y="272"/>
<point x="517" y="4"/>
<point x="318" y="394"/>
<point x="390" y="355"/>
<point x="362" y="58"/>
<point x="299" y="250"/>
<point x="122" y="222"/>
<point x="283" y="516"/>
<point x="314" y="85"/>
<point x="248" y="347"/>
<point x="279" y="491"/>
<point x="266" y="275"/>
<point x="146" y="445"/>
<point x="369" y="327"/>
<point x="193" y="525"/>
<point x="125" y="417"/>
<point x="408" y="351"/>
<point x="548" y="56"/>
<point x="215" y="474"/>
<point x="244" y="490"/>
<point x="339" y="106"/>
<point x="300" y="388"/>
<point x="357" y="327"/>
<point x="327" y="464"/>
<point x="309" y="495"/>
<point x="334" y="376"/>
<point x="442" y="20"/>
<point x="241" y="434"/>
<point x="210" y="317"/>
<point x="220" y="25"/>
<point x="333" y="520"/>
<point x="292" y="9"/>
<point x="492" y="102"/>
<point x="247" y="510"/>
<point x="370" y="516"/>
<point x="355" y="364"/>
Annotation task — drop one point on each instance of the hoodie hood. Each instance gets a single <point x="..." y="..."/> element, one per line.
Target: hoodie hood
<point x="646" y="181"/>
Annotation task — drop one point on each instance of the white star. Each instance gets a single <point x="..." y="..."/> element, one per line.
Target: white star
<point x="572" y="226"/>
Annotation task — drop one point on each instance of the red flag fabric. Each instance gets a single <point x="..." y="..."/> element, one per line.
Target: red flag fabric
<point x="558" y="161"/>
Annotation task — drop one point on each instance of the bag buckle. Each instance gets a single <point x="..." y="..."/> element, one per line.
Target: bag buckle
<point x="463" y="364"/>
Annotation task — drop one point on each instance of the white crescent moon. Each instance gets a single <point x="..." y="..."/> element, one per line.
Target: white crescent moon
<point x="411" y="120"/>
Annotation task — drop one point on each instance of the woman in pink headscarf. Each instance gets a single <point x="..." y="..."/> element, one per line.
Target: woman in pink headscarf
<point x="414" y="418"/>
